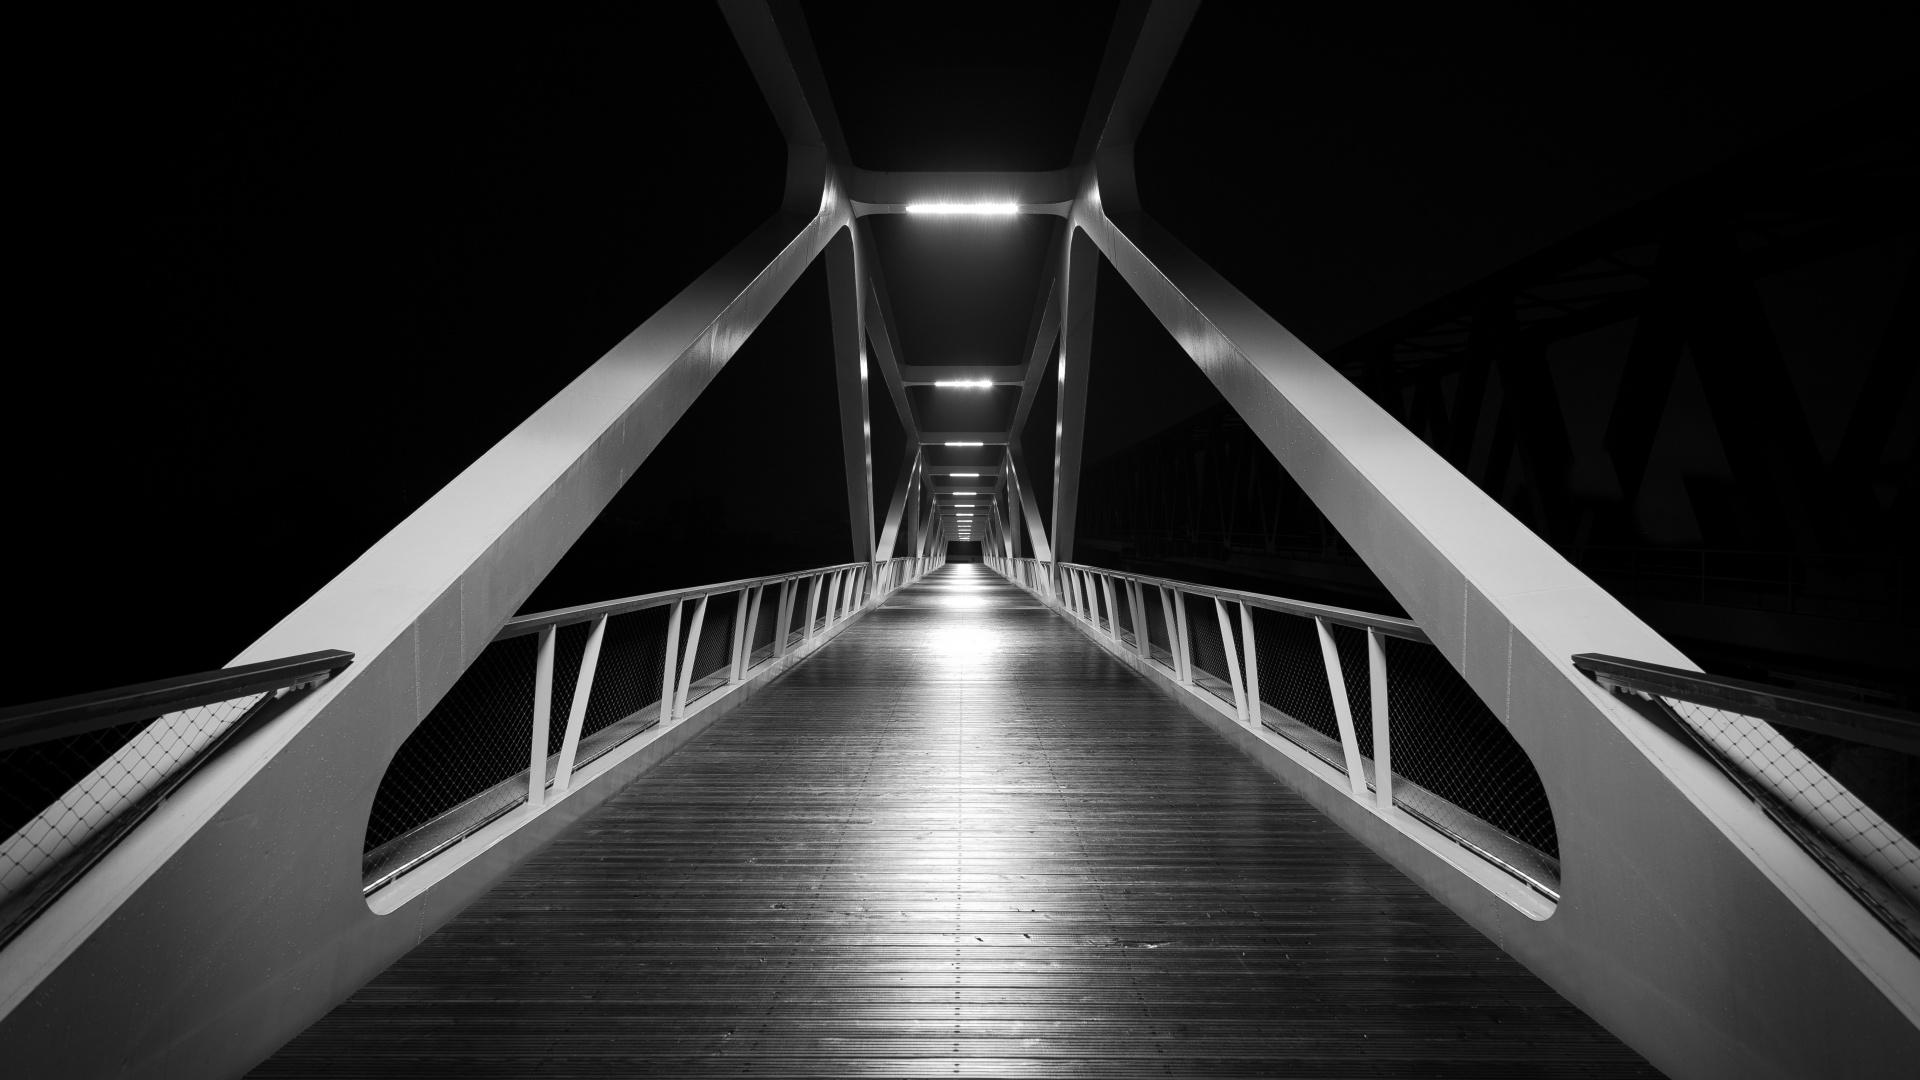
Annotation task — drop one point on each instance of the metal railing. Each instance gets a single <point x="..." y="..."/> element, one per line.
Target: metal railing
<point x="1366" y="694"/>
<point x="1842" y="778"/>
<point x="556" y="690"/>
<point x="79" y="773"/>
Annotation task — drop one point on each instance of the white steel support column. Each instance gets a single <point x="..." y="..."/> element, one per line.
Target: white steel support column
<point x="577" y="711"/>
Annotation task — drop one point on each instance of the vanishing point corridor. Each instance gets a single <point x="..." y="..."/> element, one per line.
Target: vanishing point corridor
<point x="961" y="840"/>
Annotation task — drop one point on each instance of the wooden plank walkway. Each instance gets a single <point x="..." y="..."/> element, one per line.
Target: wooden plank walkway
<point x="959" y="841"/>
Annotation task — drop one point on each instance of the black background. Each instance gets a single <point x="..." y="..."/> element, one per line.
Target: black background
<point x="279" y="280"/>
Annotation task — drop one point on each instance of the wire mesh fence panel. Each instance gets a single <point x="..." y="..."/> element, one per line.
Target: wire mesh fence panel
<point x="1158" y="640"/>
<point x="1446" y="740"/>
<point x="632" y="666"/>
<point x="474" y="738"/>
<point x="1350" y="642"/>
<point x="714" y="650"/>
<point x="1293" y="677"/>
<point x="1792" y="778"/>
<point x="138" y="759"/>
<point x="32" y="777"/>
<point x="1207" y="651"/>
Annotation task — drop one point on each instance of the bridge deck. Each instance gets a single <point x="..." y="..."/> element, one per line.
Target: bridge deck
<point x="961" y="840"/>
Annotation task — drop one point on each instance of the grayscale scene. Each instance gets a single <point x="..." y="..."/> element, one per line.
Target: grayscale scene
<point x="1097" y="538"/>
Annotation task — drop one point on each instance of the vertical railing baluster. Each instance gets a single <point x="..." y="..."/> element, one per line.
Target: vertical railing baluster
<point x="745" y="611"/>
<point x="1342" y="708"/>
<point x="670" y="667"/>
<point x="1233" y="660"/>
<point x="1137" y="604"/>
<point x="1382" y="736"/>
<point x="686" y="666"/>
<point x="577" y="712"/>
<point x="1173" y="635"/>
<point x="542" y="717"/>
<point x="1113" y="613"/>
<point x="783" y="619"/>
<point x="1250" y="650"/>
<point x="1184" y="652"/>
<point x="814" y="587"/>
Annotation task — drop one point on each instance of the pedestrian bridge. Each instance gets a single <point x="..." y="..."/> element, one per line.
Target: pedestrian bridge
<point x="910" y="817"/>
<point x="961" y="838"/>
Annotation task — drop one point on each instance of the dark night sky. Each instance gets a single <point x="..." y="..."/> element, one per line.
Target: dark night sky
<point x="283" y="279"/>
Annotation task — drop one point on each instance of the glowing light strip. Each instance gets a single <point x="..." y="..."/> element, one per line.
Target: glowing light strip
<point x="965" y="384"/>
<point x="965" y="444"/>
<point x="988" y="209"/>
<point x="962" y="474"/>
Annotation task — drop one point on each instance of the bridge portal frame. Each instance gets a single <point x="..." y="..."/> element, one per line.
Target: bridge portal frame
<point x="234" y="916"/>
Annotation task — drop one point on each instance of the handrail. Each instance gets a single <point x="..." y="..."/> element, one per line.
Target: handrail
<point x="1090" y="594"/>
<point x="59" y="718"/>
<point x="859" y="585"/>
<point x="527" y="624"/>
<point x="1870" y="725"/>
<point x="1365" y="620"/>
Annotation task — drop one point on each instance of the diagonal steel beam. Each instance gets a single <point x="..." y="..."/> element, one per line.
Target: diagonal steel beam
<point x="883" y="332"/>
<point x="897" y="507"/>
<point x="846" y="281"/>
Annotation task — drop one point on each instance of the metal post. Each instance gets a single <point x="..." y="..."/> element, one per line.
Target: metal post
<point x="1233" y="660"/>
<point x="542" y="717"/>
<point x="733" y="639"/>
<point x="743" y="648"/>
<point x="577" y="712"/>
<point x="1251" y="649"/>
<point x="785" y="615"/>
<point x="814" y="588"/>
<point x="671" y="663"/>
<point x="1342" y="708"/>
<point x="1173" y="634"/>
<point x="1382" y="736"/>
<point x="1113" y="613"/>
<point x="686" y="665"/>
<point x="1183" y="649"/>
<point x="1137" y="612"/>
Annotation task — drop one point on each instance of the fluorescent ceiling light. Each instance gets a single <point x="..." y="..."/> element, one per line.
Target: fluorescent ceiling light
<point x="965" y="444"/>
<point x="982" y="209"/>
<point x="965" y="384"/>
